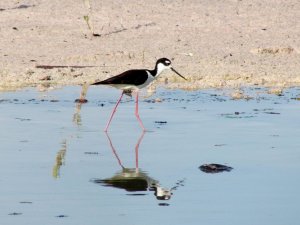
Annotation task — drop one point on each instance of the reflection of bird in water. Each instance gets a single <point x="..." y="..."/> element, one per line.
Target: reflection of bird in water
<point x="60" y="156"/>
<point x="60" y="159"/>
<point x="79" y="102"/>
<point x="133" y="80"/>
<point x="134" y="179"/>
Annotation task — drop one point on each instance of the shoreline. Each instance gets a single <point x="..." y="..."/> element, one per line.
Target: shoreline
<point x="52" y="78"/>
<point x="224" y="44"/>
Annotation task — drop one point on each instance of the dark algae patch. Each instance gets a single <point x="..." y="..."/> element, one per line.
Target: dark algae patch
<point x="161" y="122"/>
<point x="61" y="216"/>
<point x="15" y="214"/>
<point x="78" y="100"/>
<point x="215" y="168"/>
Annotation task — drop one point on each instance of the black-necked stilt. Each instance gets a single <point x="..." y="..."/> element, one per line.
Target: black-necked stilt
<point x="133" y="80"/>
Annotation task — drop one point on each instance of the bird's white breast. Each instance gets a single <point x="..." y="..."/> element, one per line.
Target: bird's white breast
<point x="148" y="81"/>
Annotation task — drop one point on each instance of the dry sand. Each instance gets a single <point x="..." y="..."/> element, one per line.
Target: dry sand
<point x="215" y="43"/>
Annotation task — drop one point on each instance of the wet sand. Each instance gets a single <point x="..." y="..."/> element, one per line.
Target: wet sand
<point x="58" y="166"/>
<point x="216" y="44"/>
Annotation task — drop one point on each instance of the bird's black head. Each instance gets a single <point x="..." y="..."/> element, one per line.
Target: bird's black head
<point x="166" y="62"/>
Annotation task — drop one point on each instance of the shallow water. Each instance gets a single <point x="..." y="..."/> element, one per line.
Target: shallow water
<point x="59" y="167"/>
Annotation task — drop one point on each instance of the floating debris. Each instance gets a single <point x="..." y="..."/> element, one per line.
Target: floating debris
<point x="219" y="145"/>
<point x="22" y="119"/>
<point x="236" y="115"/>
<point x="297" y="98"/>
<point x="274" y="113"/>
<point x="15" y="214"/>
<point x="79" y="100"/>
<point x="157" y="100"/>
<point x="4" y="100"/>
<point x="61" y="216"/>
<point x="214" y="168"/>
<point x="161" y="122"/>
<point x="91" y="153"/>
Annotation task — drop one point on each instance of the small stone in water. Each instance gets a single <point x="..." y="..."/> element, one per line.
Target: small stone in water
<point x="161" y="122"/>
<point x="79" y="100"/>
<point x="215" y="168"/>
<point x="15" y="214"/>
<point x="61" y="216"/>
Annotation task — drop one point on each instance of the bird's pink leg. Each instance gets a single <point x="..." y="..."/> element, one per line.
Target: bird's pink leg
<point x="113" y="112"/>
<point x="137" y="111"/>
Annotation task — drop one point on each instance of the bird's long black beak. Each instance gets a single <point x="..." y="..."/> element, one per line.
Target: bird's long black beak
<point x="177" y="73"/>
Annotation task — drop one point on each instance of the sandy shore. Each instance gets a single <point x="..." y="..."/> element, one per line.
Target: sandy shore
<point x="215" y="43"/>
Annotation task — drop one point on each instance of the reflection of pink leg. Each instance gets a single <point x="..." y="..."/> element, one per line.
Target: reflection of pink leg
<point x="137" y="151"/>
<point x="113" y="112"/>
<point x="137" y="111"/>
<point x="114" y="151"/>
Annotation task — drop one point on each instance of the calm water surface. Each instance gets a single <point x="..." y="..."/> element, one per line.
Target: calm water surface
<point x="57" y="166"/>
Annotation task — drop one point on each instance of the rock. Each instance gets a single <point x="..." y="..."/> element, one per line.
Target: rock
<point x="214" y="168"/>
<point x="79" y="100"/>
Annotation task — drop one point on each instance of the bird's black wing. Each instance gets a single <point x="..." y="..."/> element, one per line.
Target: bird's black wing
<point x="133" y="77"/>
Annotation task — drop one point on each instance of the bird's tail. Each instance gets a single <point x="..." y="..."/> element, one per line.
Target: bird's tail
<point x="98" y="83"/>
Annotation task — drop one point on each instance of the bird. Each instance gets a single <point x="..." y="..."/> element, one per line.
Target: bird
<point x="134" y="80"/>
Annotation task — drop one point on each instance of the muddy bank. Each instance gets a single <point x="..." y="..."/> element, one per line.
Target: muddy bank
<point x="213" y="43"/>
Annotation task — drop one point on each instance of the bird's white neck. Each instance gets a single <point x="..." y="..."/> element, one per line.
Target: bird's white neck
<point x="160" y="68"/>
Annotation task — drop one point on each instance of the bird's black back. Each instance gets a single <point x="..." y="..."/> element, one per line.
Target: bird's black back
<point x="133" y="77"/>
